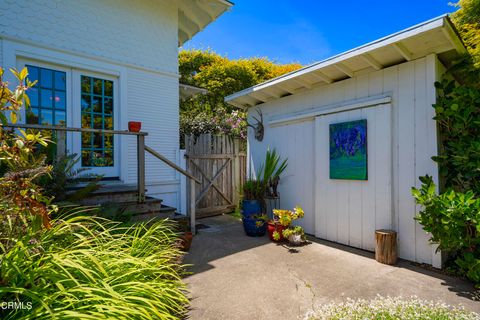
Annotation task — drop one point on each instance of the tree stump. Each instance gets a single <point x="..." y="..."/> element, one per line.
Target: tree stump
<point x="386" y="246"/>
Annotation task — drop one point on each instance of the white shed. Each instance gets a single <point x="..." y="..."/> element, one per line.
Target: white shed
<point x="390" y="84"/>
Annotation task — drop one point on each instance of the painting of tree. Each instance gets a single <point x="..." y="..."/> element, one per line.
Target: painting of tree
<point x="348" y="150"/>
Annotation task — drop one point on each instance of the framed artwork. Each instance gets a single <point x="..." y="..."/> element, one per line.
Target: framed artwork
<point x="348" y="150"/>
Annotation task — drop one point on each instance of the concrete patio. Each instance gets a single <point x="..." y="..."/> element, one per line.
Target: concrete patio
<point x="239" y="277"/>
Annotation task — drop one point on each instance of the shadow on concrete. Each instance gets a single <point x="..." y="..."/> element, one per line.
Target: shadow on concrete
<point x="223" y="237"/>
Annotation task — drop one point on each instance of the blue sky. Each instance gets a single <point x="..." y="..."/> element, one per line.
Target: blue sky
<point x="307" y="31"/>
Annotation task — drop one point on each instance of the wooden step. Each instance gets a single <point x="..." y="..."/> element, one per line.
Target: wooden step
<point x="111" y="194"/>
<point x="165" y="212"/>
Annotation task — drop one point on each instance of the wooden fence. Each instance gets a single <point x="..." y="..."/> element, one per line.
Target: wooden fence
<point x="217" y="162"/>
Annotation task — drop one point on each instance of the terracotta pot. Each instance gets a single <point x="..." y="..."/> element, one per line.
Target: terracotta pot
<point x="134" y="126"/>
<point x="186" y="240"/>
<point x="272" y="227"/>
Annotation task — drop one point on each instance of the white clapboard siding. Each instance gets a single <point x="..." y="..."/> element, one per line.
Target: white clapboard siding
<point x="405" y="128"/>
<point x="153" y="100"/>
<point x="140" y="33"/>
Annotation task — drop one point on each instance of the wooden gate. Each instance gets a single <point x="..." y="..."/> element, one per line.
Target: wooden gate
<point x="217" y="162"/>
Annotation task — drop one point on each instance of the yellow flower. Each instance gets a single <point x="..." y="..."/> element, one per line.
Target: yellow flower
<point x="276" y="235"/>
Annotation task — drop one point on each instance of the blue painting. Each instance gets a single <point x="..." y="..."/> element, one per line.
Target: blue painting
<point x="348" y="150"/>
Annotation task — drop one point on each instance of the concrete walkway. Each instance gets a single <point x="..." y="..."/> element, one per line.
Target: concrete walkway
<point x="239" y="277"/>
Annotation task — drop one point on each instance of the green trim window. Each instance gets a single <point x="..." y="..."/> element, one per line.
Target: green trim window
<point x="48" y="97"/>
<point x="97" y="113"/>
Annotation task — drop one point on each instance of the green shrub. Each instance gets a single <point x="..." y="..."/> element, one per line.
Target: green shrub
<point x="457" y="113"/>
<point x="91" y="268"/>
<point x="453" y="219"/>
<point x="390" y="309"/>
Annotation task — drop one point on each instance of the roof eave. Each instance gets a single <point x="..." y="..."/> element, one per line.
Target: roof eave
<point x="443" y="22"/>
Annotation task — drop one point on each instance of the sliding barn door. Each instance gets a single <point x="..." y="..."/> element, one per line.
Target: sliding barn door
<point x="349" y="211"/>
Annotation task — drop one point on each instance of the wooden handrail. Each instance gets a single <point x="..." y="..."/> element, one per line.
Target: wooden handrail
<point x="70" y="129"/>
<point x="171" y="164"/>
<point x="193" y="180"/>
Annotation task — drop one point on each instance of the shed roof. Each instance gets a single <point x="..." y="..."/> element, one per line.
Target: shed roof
<point x="436" y="36"/>
<point x="195" y="15"/>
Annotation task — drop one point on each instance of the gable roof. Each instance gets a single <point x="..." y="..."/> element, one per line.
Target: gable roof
<point x="195" y="15"/>
<point x="436" y="36"/>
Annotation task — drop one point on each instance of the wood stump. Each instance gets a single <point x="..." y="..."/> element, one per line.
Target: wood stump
<point x="386" y="246"/>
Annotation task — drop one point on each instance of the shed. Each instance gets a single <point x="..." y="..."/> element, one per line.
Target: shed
<point x="377" y="98"/>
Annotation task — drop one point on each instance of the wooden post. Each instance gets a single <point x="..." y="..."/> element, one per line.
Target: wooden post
<point x="236" y="172"/>
<point x="386" y="246"/>
<point x="192" y="206"/>
<point x="141" y="168"/>
<point x="61" y="143"/>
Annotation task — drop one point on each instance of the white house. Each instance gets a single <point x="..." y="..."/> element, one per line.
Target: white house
<point x="103" y="63"/>
<point x="390" y="84"/>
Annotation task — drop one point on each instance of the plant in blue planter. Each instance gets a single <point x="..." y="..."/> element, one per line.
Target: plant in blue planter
<point x="255" y="225"/>
<point x="253" y="195"/>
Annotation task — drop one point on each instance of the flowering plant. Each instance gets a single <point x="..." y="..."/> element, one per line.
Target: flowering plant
<point x="285" y="217"/>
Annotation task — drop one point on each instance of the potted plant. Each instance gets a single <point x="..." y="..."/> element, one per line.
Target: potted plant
<point x="255" y="225"/>
<point x="253" y="193"/>
<point x="275" y="230"/>
<point x="294" y="234"/>
<point x="281" y="226"/>
<point x="271" y="171"/>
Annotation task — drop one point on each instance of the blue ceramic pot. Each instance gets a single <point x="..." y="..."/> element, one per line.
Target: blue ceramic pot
<point x="250" y="207"/>
<point x="251" y="228"/>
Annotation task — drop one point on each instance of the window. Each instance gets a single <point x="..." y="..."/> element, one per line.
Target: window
<point x="47" y="97"/>
<point x="97" y="113"/>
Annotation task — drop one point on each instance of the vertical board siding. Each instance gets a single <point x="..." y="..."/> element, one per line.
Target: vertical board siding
<point x="406" y="160"/>
<point x="349" y="211"/>
<point x="352" y="207"/>
<point x="295" y="141"/>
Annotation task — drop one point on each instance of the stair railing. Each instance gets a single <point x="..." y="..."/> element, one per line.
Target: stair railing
<point x="193" y="180"/>
<point x="141" y="149"/>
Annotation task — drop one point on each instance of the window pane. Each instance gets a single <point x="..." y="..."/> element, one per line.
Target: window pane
<point x="97" y="159"/>
<point x="60" y="100"/>
<point x="108" y="106"/>
<point x="108" y="158"/>
<point x="86" y="158"/>
<point x="60" y="118"/>
<point x="86" y="87"/>
<point x="108" y="141"/>
<point x="86" y="120"/>
<point x="97" y="121"/>
<point x="97" y="140"/>
<point x="97" y="104"/>
<point x="46" y="100"/>
<point x="86" y="105"/>
<point x="46" y="78"/>
<point x="32" y="94"/>
<point x="60" y="80"/>
<point x="47" y="117"/>
<point x="32" y="116"/>
<point x="108" y="88"/>
<point x="97" y="86"/>
<point x="108" y="123"/>
<point x="32" y="73"/>
<point x="87" y="139"/>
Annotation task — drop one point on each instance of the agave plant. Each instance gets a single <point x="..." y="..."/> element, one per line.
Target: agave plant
<point x="271" y="170"/>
